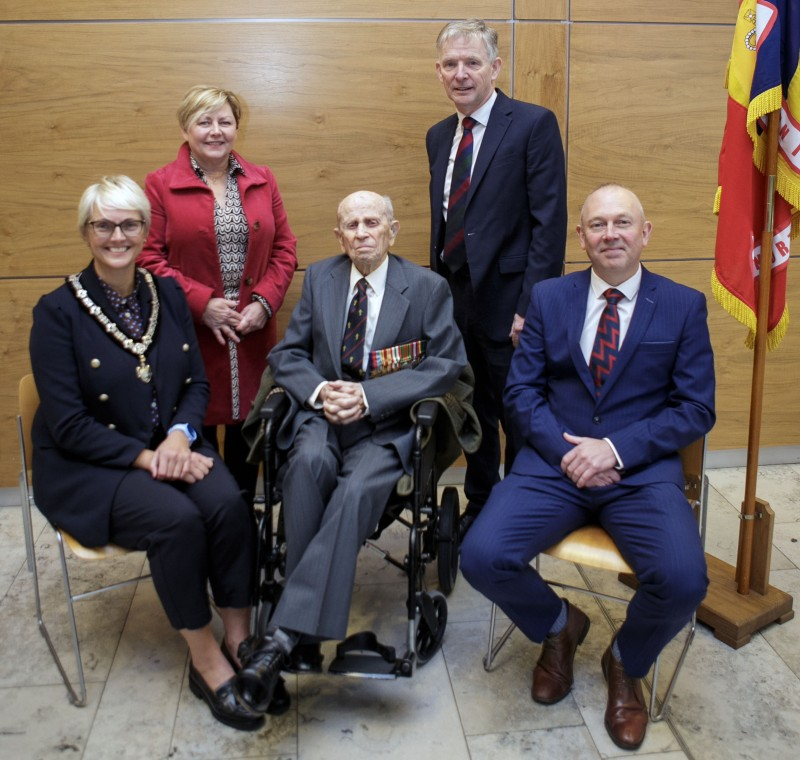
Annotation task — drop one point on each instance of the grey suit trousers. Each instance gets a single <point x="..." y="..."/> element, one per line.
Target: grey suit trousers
<point x="335" y="488"/>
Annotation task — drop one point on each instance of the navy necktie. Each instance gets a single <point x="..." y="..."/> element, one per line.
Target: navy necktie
<point x="454" y="254"/>
<point x="606" y="340"/>
<point x="353" y="341"/>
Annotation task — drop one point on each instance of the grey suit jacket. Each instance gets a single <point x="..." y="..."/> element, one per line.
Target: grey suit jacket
<point x="417" y="305"/>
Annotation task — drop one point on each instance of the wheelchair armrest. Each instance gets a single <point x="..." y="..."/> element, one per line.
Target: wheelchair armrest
<point x="275" y="405"/>
<point x="427" y="412"/>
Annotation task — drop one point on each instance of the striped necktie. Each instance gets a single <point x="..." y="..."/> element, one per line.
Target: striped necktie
<point x="353" y="341"/>
<point x="454" y="252"/>
<point x="606" y="341"/>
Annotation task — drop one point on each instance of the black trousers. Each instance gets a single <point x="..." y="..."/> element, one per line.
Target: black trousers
<point x="194" y="535"/>
<point x="490" y="361"/>
<point x="235" y="455"/>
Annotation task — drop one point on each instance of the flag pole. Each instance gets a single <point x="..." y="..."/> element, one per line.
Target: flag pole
<point x="748" y="515"/>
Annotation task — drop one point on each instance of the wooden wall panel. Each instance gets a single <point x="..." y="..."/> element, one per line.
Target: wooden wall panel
<point x="541" y="9"/>
<point x="25" y="10"/>
<point x="733" y="364"/>
<point x="17" y="299"/>
<point x="655" y="11"/>
<point x="326" y="123"/>
<point x="540" y="68"/>
<point x="650" y="116"/>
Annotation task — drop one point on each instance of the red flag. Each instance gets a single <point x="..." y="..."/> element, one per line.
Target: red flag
<point x="762" y="77"/>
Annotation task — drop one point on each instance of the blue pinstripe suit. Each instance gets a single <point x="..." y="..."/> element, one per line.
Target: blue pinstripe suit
<point x="658" y="398"/>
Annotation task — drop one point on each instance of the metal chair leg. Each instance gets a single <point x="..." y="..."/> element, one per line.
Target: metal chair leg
<point x="657" y="715"/>
<point x="493" y="649"/>
<point x="79" y="700"/>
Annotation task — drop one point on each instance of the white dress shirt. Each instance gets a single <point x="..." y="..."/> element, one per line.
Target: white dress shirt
<point x="376" y="287"/>
<point x="595" y="303"/>
<point x="481" y="116"/>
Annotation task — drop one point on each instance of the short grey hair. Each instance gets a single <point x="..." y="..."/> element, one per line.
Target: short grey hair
<point x="116" y="192"/>
<point x="471" y="27"/>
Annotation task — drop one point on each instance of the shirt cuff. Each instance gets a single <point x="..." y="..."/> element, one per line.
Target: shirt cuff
<point x="313" y="400"/>
<point x="186" y="429"/>
<point x="619" y="465"/>
<point x="263" y="301"/>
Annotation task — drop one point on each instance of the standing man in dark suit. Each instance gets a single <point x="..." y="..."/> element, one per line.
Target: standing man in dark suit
<point x="352" y="369"/>
<point x="498" y="224"/>
<point x="613" y="375"/>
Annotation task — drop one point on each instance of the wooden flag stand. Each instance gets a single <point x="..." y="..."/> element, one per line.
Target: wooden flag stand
<point x="740" y="600"/>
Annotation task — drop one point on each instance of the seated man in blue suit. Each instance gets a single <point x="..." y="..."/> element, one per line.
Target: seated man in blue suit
<point x="613" y="375"/>
<point x="371" y="335"/>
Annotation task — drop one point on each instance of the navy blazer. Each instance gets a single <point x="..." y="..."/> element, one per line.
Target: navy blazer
<point x="515" y="223"/>
<point x="658" y="398"/>
<point x="94" y="416"/>
<point x="417" y="305"/>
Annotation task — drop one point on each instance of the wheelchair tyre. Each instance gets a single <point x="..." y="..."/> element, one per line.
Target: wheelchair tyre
<point x="430" y="635"/>
<point x="447" y="540"/>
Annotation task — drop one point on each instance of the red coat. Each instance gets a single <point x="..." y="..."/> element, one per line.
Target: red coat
<point x="183" y="244"/>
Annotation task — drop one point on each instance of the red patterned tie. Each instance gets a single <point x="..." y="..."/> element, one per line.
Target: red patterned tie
<point x="606" y="341"/>
<point x="353" y="342"/>
<point x="454" y="253"/>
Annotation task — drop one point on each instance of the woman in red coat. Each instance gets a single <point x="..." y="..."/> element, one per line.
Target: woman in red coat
<point x="220" y="229"/>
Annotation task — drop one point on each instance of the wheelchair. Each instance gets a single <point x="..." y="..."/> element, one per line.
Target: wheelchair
<point x="432" y="537"/>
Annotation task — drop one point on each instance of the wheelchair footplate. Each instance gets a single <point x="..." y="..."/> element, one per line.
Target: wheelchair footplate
<point x="361" y="655"/>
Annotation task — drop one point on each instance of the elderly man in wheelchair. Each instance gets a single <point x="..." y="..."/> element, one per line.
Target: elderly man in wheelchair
<point x="371" y="335"/>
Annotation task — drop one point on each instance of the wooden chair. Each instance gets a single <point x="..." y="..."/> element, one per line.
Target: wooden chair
<point x="28" y="403"/>
<point x="591" y="546"/>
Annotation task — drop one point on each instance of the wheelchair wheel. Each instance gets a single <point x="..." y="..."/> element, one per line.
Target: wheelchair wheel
<point x="430" y="627"/>
<point x="447" y="540"/>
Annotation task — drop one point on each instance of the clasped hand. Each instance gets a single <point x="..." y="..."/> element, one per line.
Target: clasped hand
<point x="174" y="460"/>
<point x="591" y="463"/>
<point x="342" y="402"/>
<point x="228" y="324"/>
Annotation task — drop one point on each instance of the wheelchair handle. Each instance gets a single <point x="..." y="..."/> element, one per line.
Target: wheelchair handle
<point x="275" y="405"/>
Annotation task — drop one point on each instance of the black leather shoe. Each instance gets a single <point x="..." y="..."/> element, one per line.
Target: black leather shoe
<point x="306" y="658"/>
<point x="281" y="699"/>
<point x="258" y="678"/>
<point x="224" y="704"/>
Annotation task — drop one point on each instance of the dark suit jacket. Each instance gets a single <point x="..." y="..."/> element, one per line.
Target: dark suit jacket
<point x="515" y="223"/>
<point x="94" y="415"/>
<point x="658" y="398"/>
<point x="417" y="305"/>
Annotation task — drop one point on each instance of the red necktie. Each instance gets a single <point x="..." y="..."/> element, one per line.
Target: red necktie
<point x="353" y="342"/>
<point x="606" y="341"/>
<point x="454" y="253"/>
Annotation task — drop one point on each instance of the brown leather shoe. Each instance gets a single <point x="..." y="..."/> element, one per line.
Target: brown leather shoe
<point x="626" y="714"/>
<point x="552" y="676"/>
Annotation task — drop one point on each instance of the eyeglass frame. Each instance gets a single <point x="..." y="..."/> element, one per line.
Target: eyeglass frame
<point x="141" y="222"/>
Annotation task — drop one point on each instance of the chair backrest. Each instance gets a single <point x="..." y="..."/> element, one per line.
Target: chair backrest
<point x="28" y="404"/>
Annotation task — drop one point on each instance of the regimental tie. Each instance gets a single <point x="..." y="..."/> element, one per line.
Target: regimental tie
<point x="454" y="253"/>
<point x="353" y="342"/>
<point x="606" y="341"/>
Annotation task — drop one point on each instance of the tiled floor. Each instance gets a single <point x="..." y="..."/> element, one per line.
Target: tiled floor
<point x="728" y="703"/>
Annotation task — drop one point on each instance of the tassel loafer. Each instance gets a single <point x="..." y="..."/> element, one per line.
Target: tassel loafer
<point x="224" y="703"/>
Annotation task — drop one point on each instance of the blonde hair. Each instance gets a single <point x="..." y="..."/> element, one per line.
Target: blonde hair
<point x="116" y="192"/>
<point x="202" y="99"/>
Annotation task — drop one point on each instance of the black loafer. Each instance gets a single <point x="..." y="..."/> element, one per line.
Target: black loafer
<point x="258" y="679"/>
<point x="306" y="658"/>
<point x="224" y="703"/>
<point x="281" y="699"/>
